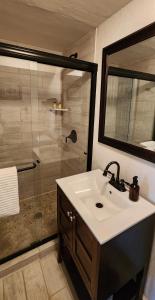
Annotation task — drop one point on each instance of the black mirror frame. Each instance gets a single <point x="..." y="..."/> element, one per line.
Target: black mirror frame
<point x="130" y="40"/>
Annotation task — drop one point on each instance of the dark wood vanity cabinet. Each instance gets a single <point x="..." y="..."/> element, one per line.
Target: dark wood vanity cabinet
<point x="116" y="268"/>
<point x="75" y="235"/>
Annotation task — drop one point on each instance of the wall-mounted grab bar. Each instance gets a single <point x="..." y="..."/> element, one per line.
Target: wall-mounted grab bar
<point x="34" y="165"/>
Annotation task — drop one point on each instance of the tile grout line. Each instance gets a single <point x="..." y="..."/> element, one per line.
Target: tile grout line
<point x="58" y="291"/>
<point x="46" y="284"/>
<point x="24" y="285"/>
<point x="3" y="288"/>
<point x="44" y="278"/>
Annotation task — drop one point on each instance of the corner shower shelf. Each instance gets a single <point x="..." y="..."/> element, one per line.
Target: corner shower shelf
<point x="59" y="109"/>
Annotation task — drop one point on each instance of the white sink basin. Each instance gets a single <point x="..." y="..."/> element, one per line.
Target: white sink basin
<point x="118" y="212"/>
<point x="94" y="190"/>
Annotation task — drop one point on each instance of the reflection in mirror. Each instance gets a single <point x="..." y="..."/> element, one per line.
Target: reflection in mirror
<point x="139" y="57"/>
<point x="130" y="101"/>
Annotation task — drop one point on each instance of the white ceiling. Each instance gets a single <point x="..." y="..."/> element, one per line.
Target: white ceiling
<point x="53" y="24"/>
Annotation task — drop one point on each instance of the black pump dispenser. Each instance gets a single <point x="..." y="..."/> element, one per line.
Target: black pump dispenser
<point x="134" y="189"/>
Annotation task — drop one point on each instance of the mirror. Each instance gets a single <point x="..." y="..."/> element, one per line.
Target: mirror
<point x="127" y="110"/>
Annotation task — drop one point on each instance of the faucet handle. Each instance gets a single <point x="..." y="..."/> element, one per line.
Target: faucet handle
<point x="106" y="172"/>
<point x="122" y="185"/>
<point x="112" y="179"/>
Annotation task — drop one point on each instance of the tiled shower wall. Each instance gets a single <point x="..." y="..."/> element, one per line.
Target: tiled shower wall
<point x="75" y="95"/>
<point x="129" y="117"/>
<point x="143" y="112"/>
<point x="119" y="95"/>
<point x="29" y="131"/>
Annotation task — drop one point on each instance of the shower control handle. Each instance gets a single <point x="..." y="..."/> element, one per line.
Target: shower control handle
<point x="72" y="136"/>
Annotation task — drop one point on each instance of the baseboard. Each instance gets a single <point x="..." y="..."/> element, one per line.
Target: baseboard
<point x="26" y="258"/>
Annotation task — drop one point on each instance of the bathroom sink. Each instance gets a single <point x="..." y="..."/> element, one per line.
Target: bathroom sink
<point x="105" y="210"/>
<point x="99" y="198"/>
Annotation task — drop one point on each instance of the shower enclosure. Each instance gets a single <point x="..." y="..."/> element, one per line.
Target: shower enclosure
<point x="44" y="99"/>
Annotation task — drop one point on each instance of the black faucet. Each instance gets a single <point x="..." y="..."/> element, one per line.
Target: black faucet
<point x="116" y="182"/>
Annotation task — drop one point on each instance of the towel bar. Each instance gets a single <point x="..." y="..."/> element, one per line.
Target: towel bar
<point x="34" y="165"/>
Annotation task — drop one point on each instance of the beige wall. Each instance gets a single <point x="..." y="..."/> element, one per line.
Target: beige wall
<point x="12" y="42"/>
<point x="132" y="17"/>
<point x="85" y="47"/>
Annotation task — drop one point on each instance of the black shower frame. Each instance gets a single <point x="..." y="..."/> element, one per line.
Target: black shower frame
<point x="64" y="62"/>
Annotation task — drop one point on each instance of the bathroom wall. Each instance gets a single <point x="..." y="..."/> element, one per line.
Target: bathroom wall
<point x="137" y="14"/>
<point x="85" y="47"/>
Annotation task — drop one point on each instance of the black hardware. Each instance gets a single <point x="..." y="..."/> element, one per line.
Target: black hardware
<point x="74" y="55"/>
<point x="125" y="182"/>
<point x="106" y="172"/>
<point x="107" y="168"/>
<point x="99" y="205"/>
<point x="29" y="248"/>
<point x="122" y="185"/>
<point x="120" y="72"/>
<point x="117" y="183"/>
<point x="33" y="166"/>
<point x="72" y="136"/>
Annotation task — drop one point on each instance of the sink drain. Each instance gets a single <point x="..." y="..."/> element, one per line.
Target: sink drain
<point x="99" y="205"/>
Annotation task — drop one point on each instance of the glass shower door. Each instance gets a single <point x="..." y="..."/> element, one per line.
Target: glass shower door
<point x="63" y="107"/>
<point x="18" y="232"/>
<point x="40" y="107"/>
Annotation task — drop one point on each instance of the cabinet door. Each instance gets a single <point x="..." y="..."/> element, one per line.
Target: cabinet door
<point x="86" y="254"/>
<point x="65" y="212"/>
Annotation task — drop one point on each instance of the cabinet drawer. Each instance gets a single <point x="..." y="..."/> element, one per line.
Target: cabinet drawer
<point x="83" y="259"/>
<point x="85" y="236"/>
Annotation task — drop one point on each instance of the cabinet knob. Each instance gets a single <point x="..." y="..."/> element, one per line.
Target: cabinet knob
<point x="69" y="213"/>
<point x="72" y="218"/>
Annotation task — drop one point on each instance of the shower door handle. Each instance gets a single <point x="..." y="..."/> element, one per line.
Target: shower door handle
<point x="33" y="166"/>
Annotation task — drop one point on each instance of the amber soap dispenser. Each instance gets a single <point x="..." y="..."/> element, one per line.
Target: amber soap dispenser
<point x="134" y="189"/>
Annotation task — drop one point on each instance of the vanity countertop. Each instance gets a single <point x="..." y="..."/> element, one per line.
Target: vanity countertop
<point x="91" y="184"/>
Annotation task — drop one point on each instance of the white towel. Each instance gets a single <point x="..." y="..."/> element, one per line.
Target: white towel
<point x="9" y="196"/>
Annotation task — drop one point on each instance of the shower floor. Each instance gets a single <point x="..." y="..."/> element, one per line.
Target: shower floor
<point x="38" y="214"/>
<point x="36" y="221"/>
